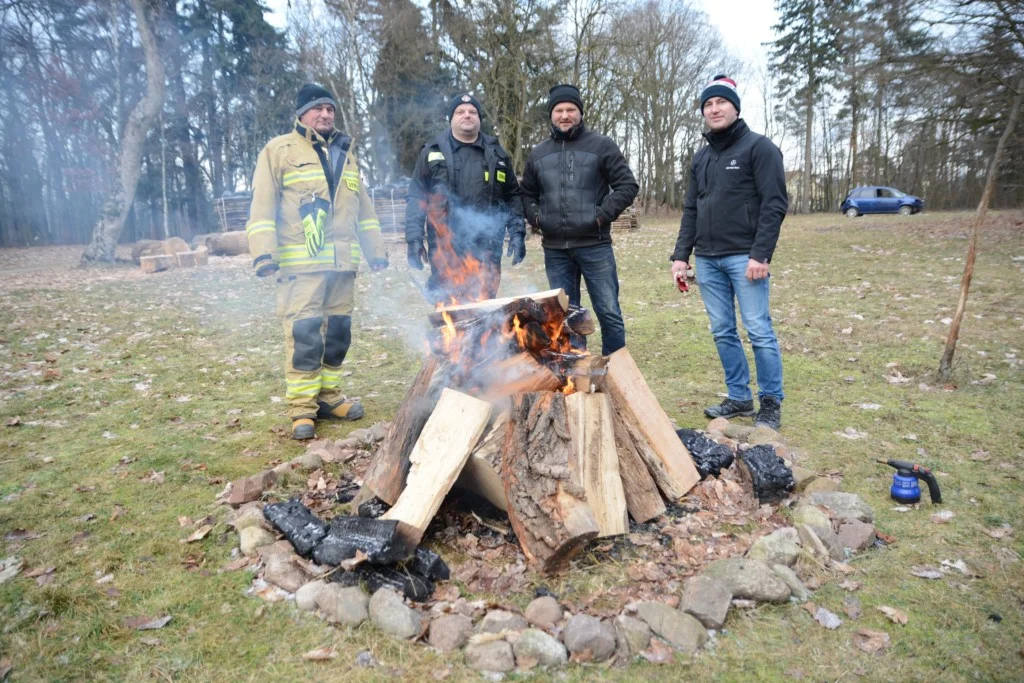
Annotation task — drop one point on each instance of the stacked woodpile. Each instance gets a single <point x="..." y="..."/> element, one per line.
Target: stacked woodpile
<point x="154" y="256"/>
<point x="233" y="210"/>
<point x="629" y="220"/>
<point x="568" y="444"/>
<point x="389" y="203"/>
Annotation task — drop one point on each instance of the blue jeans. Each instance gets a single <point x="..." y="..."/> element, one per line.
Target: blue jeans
<point x="597" y="266"/>
<point x="723" y="279"/>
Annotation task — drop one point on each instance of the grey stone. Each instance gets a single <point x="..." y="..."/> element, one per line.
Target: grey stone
<point x="831" y="541"/>
<point x="544" y="612"/>
<point x="251" y="538"/>
<point x="493" y="656"/>
<point x="450" y="632"/>
<point x="250" y="514"/>
<point x="308" y="462"/>
<point x="282" y="571"/>
<point x="781" y="546"/>
<point x="347" y="605"/>
<point x="844" y="506"/>
<point x="390" y="614"/>
<point x="679" y="628"/>
<point x="749" y="579"/>
<point x="803" y="476"/>
<point x="361" y="435"/>
<point x="305" y="597"/>
<point x="822" y="485"/>
<point x="810" y="515"/>
<point x="796" y="586"/>
<point x="762" y="434"/>
<point x="584" y="632"/>
<point x="379" y="431"/>
<point x="856" y="535"/>
<point x="498" y="620"/>
<point x="707" y="599"/>
<point x="737" y="431"/>
<point x="633" y="633"/>
<point x="809" y="539"/>
<point x="535" y="644"/>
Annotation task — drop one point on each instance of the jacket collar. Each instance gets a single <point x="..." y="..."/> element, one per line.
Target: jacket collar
<point x="313" y="137"/>
<point x="571" y="134"/>
<point x="724" y="139"/>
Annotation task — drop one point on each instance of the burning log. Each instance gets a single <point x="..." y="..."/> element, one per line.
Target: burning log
<point x="648" y="425"/>
<point x="521" y="373"/>
<point x="546" y="506"/>
<point x="587" y="373"/>
<point x="642" y="498"/>
<point x="482" y="473"/>
<point x="580" y="321"/>
<point x="554" y="302"/>
<point x="438" y="457"/>
<point x="596" y="460"/>
<point x="386" y="476"/>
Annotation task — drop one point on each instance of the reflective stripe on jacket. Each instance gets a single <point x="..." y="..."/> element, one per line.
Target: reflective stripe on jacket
<point x="289" y="173"/>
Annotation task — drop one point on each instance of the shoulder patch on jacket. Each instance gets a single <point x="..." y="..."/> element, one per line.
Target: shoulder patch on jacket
<point x="434" y="156"/>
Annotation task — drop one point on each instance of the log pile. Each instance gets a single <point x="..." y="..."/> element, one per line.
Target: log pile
<point x="629" y="220"/>
<point x="232" y="210"/>
<point x="568" y="444"/>
<point x="389" y="203"/>
<point x="154" y="256"/>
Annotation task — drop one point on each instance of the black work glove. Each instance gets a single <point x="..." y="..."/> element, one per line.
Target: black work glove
<point x="265" y="266"/>
<point x="379" y="264"/>
<point x="516" y="247"/>
<point x="416" y="254"/>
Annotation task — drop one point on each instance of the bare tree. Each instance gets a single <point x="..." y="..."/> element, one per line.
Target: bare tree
<point x="119" y="200"/>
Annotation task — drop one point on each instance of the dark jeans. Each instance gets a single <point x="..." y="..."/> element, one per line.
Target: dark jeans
<point x="597" y="266"/>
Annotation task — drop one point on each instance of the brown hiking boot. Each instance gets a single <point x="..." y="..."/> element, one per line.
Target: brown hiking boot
<point x="303" y="428"/>
<point x="342" y="410"/>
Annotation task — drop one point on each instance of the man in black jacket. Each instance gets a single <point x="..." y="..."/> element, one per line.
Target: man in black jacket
<point x="575" y="184"/>
<point x="466" y="194"/>
<point x="731" y="220"/>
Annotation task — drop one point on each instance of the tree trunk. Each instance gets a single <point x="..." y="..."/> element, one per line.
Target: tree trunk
<point x="808" y="137"/>
<point x="119" y="201"/>
<point x="946" y="362"/>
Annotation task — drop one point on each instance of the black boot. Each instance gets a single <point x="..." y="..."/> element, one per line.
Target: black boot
<point x="730" y="408"/>
<point x="770" y="413"/>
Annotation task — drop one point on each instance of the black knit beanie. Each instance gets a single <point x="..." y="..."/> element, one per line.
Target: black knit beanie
<point x="464" y="98"/>
<point x="721" y="86"/>
<point x="312" y="95"/>
<point x="564" y="93"/>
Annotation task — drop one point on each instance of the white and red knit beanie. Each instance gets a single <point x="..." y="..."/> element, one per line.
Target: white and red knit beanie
<point x="721" y="86"/>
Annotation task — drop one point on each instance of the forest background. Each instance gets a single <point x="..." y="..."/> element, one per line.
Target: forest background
<point x="909" y="93"/>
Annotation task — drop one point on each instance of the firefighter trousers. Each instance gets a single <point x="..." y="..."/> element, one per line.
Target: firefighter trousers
<point x="316" y="311"/>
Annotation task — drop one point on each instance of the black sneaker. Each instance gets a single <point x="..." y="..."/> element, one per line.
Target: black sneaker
<point x="770" y="413"/>
<point x="730" y="408"/>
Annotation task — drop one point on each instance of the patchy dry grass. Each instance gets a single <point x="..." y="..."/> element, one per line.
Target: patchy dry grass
<point x="115" y="376"/>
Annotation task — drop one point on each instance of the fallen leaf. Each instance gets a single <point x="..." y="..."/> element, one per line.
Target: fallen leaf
<point x="1000" y="532"/>
<point x="39" y="571"/>
<point x="198" y="535"/>
<point x="154" y="477"/>
<point x="872" y="642"/>
<point x="895" y="616"/>
<point x="321" y="654"/>
<point x="237" y="564"/>
<point x="5" y="667"/>
<point x="828" y="619"/>
<point x="118" y="511"/>
<point x="152" y="642"/>
<point x="9" y="568"/>
<point x="926" y="572"/>
<point x="354" y="562"/>
<point x="850" y="585"/>
<point x="106" y="578"/>
<point x="809" y="607"/>
<point x="147" y="623"/>
<point x="658" y="652"/>
<point x="959" y="565"/>
<point x="12" y="421"/>
<point x="19" y="535"/>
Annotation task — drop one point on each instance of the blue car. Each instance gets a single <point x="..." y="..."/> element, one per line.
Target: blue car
<point x="878" y="199"/>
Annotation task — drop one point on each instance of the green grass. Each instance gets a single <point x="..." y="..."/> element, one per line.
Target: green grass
<point x="154" y="369"/>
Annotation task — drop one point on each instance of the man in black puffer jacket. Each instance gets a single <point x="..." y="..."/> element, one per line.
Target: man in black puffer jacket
<point x="731" y="221"/>
<point x="575" y="184"/>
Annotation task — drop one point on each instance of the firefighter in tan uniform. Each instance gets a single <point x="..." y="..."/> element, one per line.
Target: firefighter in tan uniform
<point x="311" y="222"/>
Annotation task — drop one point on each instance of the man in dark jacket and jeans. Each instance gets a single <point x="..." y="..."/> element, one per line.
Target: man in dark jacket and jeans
<point x="575" y="184"/>
<point x="731" y="220"/>
<point x="464" y="198"/>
